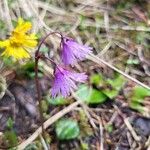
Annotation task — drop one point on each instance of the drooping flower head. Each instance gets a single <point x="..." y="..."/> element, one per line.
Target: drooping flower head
<point x="73" y="51"/>
<point x="20" y="42"/>
<point x="65" y="81"/>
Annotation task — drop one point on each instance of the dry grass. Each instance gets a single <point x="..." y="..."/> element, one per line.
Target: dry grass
<point x="111" y="30"/>
<point x="117" y="30"/>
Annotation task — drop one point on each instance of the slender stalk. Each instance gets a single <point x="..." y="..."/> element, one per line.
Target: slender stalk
<point x="39" y="93"/>
<point x="37" y="57"/>
<point x="49" y="59"/>
<point x="52" y="61"/>
<point x="43" y="40"/>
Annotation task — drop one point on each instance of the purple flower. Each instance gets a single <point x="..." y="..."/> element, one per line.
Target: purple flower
<point x="64" y="81"/>
<point x="73" y="52"/>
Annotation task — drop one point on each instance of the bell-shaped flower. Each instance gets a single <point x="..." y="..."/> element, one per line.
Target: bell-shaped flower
<point x="65" y="81"/>
<point x="71" y="51"/>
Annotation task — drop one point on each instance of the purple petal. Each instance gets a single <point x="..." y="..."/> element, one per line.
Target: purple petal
<point x="78" y="77"/>
<point x="73" y="52"/>
<point x="64" y="82"/>
<point x="80" y="51"/>
<point x="68" y="55"/>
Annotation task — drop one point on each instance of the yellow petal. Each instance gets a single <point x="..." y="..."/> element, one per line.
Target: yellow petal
<point x="20" y="21"/>
<point x="30" y="41"/>
<point x="19" y="41"/>
<point x="32" y="36"/>
<point x="16" y="52"/>
<point x="4" y="43"/>
<point x="22" y="26"/>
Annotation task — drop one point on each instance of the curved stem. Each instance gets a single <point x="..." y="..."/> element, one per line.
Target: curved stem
<point x="49" y="59"/>
<point x="43" y="40"/>
<point x="37" y="57"/>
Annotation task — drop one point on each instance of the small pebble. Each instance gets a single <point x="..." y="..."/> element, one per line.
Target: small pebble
<point x="142" y="126"/>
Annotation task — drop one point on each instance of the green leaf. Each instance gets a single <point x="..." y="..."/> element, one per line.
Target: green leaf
<point x="90" y="95"/>
<point x="115" y="86"/>
<point x="96" y="97"/>
<point x="10" y="123"/>
<point x="137" y="106"/>
<point x="117" y="83"/>
<point x="140" y="92"/>
<point x="10" y="138"/>
<point x="57" y="101"/>
<point x="27" y="70"/>
<point x="67" y="129"/>
<point x="137" y="97"/>
<point x="110" y="93"/>
<point x="112" y="87"/>
<point x="8" y="61"/>
<point x="96" y="79"/>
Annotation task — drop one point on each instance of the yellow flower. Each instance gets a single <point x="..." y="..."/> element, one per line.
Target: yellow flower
<point x="22" y="26"/>
<point x="20" y="42"/>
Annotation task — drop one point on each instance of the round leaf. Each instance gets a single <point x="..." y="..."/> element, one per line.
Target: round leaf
<point x="67" y="129"/>
<point x="91" y="95"/>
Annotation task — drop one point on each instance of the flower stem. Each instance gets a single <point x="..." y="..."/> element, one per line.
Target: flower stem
<point x="43" y="40"/>
<point x="39" y="93"/>
<point x="37" y="57"/>
<point x="52" y="61"/>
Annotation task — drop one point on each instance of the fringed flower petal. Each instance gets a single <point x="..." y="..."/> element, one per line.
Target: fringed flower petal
<point x="73" y="51"/>
<point x="64" y="81"/>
